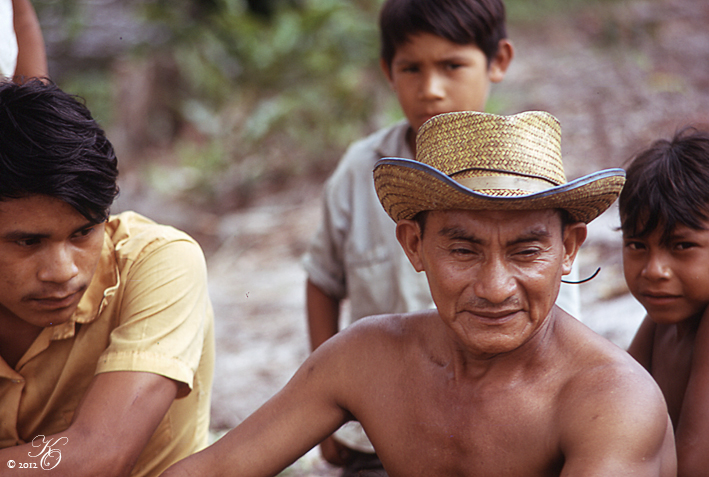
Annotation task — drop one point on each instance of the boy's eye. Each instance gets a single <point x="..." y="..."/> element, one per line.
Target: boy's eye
<point x="684" y="245"/>
<point x="634" y="245"/>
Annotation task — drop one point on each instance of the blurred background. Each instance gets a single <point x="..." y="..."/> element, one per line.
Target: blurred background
<point x="228" y="115"/>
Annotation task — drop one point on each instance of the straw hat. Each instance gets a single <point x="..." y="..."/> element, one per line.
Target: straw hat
<point x="479" y="161"/>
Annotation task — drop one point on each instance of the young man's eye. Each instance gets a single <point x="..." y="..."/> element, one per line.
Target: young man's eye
<point x="27" y="242"/>
<point x="84" y="232"/>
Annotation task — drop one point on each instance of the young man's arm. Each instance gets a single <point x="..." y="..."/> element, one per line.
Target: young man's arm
<point x="31" y="55"/>
<point x="293" y="421"/>
<point x="617" y="424"/>
<point x="110" y="428"/>
<point x="692" y="436"/>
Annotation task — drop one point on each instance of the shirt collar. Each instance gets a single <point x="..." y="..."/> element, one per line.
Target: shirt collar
<point x="103" y="286"/>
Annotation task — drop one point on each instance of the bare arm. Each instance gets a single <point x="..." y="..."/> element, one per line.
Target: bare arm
<point x="641" y="346"/>
<point x="692" y="434"/>
<point x="298" y="417"/>
<point x="323" y="315"/>
<point x="111" y="426"/>
<point x="31" y="56"/>
<point x="619" y="428"/>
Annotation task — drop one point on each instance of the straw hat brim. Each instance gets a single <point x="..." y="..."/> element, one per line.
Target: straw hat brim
<point x="406" y="187"/>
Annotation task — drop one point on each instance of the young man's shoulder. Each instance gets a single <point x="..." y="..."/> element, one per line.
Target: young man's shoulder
<point x="131" y="232"/>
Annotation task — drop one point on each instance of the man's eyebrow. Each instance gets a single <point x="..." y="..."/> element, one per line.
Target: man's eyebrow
<point x="458" y="233"/>
<point x="533" y="235"/>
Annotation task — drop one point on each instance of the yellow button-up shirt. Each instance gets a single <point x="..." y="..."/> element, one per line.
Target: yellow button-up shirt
<point x="146" y="309"/>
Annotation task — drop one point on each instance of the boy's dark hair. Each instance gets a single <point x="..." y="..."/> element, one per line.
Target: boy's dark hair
<point x="465" y="22"/>
<point x="666" y="185"/>
<point x="50" y="145"/>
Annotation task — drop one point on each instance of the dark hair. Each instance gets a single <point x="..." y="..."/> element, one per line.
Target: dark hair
<point x="667" y="184"/>
<point x="478" y="22"/>
<point x="51" y="145"/>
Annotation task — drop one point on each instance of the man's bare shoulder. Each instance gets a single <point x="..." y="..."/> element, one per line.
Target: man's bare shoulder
<point x="609" y="404"/>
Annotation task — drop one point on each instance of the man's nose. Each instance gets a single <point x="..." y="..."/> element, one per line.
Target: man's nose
<point x="495" y="283"/>
<point x="59" y="264"/>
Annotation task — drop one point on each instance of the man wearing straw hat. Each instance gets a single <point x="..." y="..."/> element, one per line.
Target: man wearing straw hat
<point x="497" y="381"/>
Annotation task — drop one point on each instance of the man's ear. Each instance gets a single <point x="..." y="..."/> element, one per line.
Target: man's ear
<point x="386" y="70"/>
<point x="574" y="236"/>
<point x="409" y="235"/>
<point x="501" y="61"/>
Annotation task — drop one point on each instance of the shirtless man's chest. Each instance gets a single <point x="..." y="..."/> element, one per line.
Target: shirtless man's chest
<point x="507" y="430"/>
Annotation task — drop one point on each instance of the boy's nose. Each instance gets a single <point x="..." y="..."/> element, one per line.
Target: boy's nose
<point x="59" y="266"/>
<point x="656" y="267"/>
<point x="433" y="87"/>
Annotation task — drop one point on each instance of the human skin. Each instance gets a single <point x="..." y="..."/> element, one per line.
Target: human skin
<point x="430" y="75"/>
<point x="497" y="382"/>
<point x="48" y="255"/>
<point x="672" y="282"/>
<point x="31" y="54"/>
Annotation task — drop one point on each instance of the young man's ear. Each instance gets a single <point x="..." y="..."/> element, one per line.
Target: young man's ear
<point x="408" y="232"/>
<point x="501" y="61"/>
<point x="574" y="236"/>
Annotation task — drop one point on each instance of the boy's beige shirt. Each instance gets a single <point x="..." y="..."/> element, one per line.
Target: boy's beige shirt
<point x="146" y="309"/>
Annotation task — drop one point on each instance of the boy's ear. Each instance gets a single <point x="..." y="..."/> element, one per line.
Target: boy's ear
<point x="408" y="232"/>
<point x="385" y="69"/>
<point x="501" y="61"/>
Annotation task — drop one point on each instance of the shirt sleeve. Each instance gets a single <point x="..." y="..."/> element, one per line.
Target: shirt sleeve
<point x="164" y="313"/>
<point x="324" y="261"/>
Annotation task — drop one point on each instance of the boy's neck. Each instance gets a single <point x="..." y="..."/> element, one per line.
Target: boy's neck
<point x="411" y="140"/>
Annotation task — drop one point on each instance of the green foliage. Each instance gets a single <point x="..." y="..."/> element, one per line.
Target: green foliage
<point x="290" y="91"/>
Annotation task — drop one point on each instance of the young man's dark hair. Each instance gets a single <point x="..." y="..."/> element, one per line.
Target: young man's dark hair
<point x="668" y="184"/>
<point x="70" y="157"/>
<point x="478" y="22"/>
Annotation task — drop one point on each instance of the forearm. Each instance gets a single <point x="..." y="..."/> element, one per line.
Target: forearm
<point x="31" y="56"/>
<point x="64" y="454"/>
<point x="323" y="315"/>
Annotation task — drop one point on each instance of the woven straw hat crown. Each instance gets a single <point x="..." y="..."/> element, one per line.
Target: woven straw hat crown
<point x="479" y="161"/>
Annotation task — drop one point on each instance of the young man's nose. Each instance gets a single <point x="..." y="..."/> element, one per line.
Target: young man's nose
<point x="59" y="265"/>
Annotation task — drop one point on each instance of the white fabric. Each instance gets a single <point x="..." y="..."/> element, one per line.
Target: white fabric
<point x="8" y="40"/>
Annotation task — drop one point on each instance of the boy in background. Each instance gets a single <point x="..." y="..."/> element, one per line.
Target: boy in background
<point x="664" y="211"/>
<point x="438" y="57"/>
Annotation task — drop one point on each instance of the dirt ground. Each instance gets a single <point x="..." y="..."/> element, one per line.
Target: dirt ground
<point x="616" y="78"/>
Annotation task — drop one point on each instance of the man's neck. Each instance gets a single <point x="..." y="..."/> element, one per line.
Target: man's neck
<point x="16" y="336"/>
